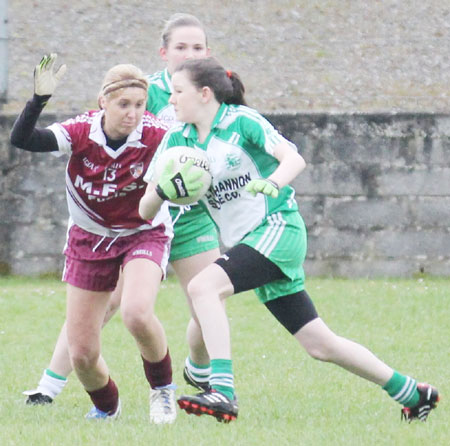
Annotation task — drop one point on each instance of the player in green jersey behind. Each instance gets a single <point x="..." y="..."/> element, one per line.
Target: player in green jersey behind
<point x="195" y="244"/>
<point x="252" y="203"/>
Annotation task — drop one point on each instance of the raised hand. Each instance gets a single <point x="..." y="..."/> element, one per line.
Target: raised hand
<point x="45" y="77"/>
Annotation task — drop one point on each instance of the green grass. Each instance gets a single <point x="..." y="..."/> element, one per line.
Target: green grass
<point x="286" y="398"/>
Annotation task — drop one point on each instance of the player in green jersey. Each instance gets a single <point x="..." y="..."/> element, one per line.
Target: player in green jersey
<point x="195" y="244"/>
<point x="254" y="208"/>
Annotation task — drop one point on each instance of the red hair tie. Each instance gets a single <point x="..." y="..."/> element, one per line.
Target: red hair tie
<point x="229" y="73"/>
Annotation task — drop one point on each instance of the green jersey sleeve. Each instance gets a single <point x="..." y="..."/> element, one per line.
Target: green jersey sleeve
<point x="260" y="132"/>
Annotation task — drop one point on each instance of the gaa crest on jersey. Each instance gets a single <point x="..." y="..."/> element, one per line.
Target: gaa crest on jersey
<point x="137" y="169"/>
<point x="232" y="161"/>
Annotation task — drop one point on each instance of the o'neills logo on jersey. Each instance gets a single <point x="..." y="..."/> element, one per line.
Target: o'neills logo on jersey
<point x="137" y="169"/>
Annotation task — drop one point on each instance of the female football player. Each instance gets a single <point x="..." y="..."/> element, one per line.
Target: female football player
<point x="108" y="151"/>
<point x="254" y="207"/>
<point x="195" y="243"/>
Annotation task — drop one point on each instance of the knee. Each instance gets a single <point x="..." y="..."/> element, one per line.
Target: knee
<point x="318" y="352"/>
<point x="83" y="357"/>
<point x="138" y="316"/>
<point x="202" y="286"/>
<point x="322" y="350"/>
<point x="136" y="320"/>
<point x="196" y="288"/>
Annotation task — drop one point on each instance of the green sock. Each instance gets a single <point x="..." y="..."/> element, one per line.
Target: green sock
<point x="221" y="378"/>
<point x="403" y="389"/>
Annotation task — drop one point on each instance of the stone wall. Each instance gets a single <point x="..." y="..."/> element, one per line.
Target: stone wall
<point x="376" y="192"/>
<point x="375" y="196"/>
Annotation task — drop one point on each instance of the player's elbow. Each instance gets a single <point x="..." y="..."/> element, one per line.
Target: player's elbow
<point x="301" y="164"/>
<point x="16" y="139"/>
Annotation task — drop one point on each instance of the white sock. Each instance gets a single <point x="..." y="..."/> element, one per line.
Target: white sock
<point x="49" y="385"/>
<point x="200" y="374"/>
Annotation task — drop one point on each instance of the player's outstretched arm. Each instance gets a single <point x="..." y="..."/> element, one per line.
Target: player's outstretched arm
<point x="24" y="133"/>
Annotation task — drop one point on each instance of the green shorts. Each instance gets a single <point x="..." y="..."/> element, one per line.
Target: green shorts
<point x="194" y="232"/>
<point x="281" y="237"/>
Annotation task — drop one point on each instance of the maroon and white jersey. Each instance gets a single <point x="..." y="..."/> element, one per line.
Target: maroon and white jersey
<point x="104" y="186"/>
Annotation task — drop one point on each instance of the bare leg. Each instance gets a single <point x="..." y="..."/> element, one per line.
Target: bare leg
<point x="85" y="315"/>
<point x="60" y="361"/>
<point x="207" y="290"/>
<point x="211" y="285"/>
<point x="322" y="344"/>
<point x="141" y="284"/>
<point x="185" y="270"/>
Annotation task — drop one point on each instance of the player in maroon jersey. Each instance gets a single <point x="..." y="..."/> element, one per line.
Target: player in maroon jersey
<point x="108" y="152"/>
<point x="195" y="244"/>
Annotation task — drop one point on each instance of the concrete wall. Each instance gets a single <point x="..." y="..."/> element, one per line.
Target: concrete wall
<point x="375" y="196"/>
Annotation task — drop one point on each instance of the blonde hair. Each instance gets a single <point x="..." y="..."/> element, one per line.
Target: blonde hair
<point x="122" y="76"/>
<point x="179" y="20"/>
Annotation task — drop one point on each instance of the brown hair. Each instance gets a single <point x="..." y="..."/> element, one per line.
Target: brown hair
<point x="177" y="21"/>
<point x="226" y="85"/>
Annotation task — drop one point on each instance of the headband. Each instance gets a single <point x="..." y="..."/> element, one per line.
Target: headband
<point x="123" y="83"/>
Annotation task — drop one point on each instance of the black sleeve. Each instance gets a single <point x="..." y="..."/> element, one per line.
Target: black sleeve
<point x="25" y="136"/>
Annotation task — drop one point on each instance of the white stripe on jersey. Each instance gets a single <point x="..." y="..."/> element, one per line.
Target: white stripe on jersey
<point x="234" y="139"/>
<point x="272" y="136"/>
<point x="150" y="121"/>
<point x="62" y="138"/>
<point x="75" y="198"/>
<point x="85" y="117"/>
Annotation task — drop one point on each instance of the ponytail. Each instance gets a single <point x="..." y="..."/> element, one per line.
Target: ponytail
<point x="237" y="95"/>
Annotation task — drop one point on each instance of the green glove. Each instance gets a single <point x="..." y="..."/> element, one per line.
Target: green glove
<point x="45" y="78"/>
<point x="263" y="186"/>
<point x="180" y="184"/>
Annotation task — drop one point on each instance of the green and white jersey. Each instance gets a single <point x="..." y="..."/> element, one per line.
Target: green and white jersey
<point x="193" y="228"/>
<point x="159" y="91"/>
<point x="239" y="148"/>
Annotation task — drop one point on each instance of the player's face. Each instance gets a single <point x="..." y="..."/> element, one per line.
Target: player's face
<point x="186" y="98"/>
<point x="123" y="111"/>
<point x="186" y="42"/>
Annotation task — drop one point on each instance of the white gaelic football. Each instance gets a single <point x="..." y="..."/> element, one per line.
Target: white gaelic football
<point x="180" y="156"/>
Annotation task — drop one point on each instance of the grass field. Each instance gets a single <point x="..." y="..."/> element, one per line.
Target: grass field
<point x="286" y="398"/>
